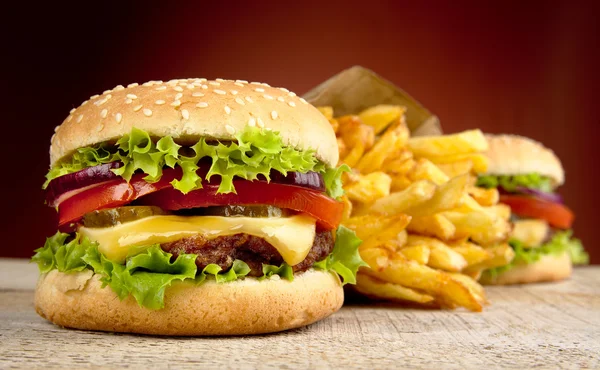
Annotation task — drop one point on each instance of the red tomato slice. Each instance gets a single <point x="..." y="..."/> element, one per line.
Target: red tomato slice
<point x="111" y="194"/>
<point x="325" y="209"/>
<point x="556" y="214"/>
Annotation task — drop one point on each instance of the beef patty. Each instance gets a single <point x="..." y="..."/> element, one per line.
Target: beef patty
<point x="253" y="250"/>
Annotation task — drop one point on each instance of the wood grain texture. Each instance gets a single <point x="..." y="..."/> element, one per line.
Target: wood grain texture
<point x="544" y="326"/>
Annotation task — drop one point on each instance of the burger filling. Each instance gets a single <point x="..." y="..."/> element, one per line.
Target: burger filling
<point x="144" y="213"/>
<point x="541" y="222"/>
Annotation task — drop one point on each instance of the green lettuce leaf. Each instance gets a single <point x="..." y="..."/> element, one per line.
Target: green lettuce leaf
<point x="344" y="259"/>
<point x="255" y="153"/>
<point x="333" y="180"/>
<point x="560" y="243"/>
<point x="284" y="270"/>
<point x="58" y="254"/>
<point x="511" y="183"/>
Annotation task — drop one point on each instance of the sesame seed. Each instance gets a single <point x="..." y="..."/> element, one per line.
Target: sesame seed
<point x="292" y="94"/>
<point x="128" y="101"/>
<point x="185" y="114"/>
<point x="281" y="99"/>
<point x="161" y="88"/>
<point x="191" y="86"/>
<point x="146" y="84"/>
<point x="220" y="92"/>
<point x="178" y="96"/>
<point x="227" y="109"/>
<point x="214" y="83"/>
<point x="252" y="122"/>
<point x="260" y="122"/>
<point x="137" y="108"/>
<point x="133" y="84"/>
<point x="159" y="102"/>
<point x="56" y="128"/>
<point x="239" y="101"/>
<point x="259" y="89"/>
<point x="233" y="92"/>
<point x="197" y="94"/>
<point x="131" y="96"/>
<point x="274" y="114"/>
<point x="202" y="80"/>
<point x="284" y="89"/>
<point x="177" y="88"/>
<point x="94" y="96"/>
<point x="239" y="84"/>
<point x="71" y="111"/>
<point x="79" y="118"/>
<point x="101" y="101"/>
<point x="119" y="88"/>
<point x="172" y="83"/>
<point x="255" y="83"/>
<point x="241" y="81"/>
<point x="69" y="118"/>
<point x="99" y="128"/>
<point x="219" y="79"/>
<point x="266" y="85"/>
<point x="118" y="117"/>
<point x="183" y="83"/>
<point x="103" y="113"/>
<point x="230" y="129"/>
<point x="268" y="97"/>
<point x="106" y="92"/>
<point x="84" y="103"/>
<point x="197" y="83"/>
<point x="176" y="103"/>
<point x="202" y="105"/>
<point x="291" y="104"/>
<point x="204" y="87"/>
<point x="249" y="99"/>
<point x="147" y="112"/>
<point x="303" y="101"/>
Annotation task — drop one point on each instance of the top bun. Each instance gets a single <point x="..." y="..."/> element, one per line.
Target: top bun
<point x="518" y="155"/>
<point x="189" y="109"/>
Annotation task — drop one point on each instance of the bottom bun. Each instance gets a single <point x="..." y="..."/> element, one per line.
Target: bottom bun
<point x="547" y="268"/>
<point x="248" y="306"/>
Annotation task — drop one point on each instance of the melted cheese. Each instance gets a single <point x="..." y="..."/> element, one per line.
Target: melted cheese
<point x="530" y="232"/>
<point x="293" y="236"/>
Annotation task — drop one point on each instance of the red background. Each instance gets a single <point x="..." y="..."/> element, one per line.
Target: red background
<point x="523" y="67"/>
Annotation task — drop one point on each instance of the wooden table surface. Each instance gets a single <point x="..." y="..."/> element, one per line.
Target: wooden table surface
<point x="544" y="326"/>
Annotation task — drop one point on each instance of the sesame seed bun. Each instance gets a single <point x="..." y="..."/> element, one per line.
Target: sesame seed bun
<point x="518" y="155"/>
<point x="189" y="109"/>
<point x="547" y="268"/>
<point x="77" y="300"/>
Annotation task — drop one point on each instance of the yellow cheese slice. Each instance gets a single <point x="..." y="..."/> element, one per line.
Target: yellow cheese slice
<point x="293" y="237"/>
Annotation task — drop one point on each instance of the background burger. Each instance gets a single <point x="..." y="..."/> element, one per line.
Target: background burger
<point x="527" y="174"/>
<point x="194" y="207"/>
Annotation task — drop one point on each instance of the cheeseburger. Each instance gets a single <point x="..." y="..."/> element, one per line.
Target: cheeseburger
<point x="527" y="174"/>
<point x="194" y="207"/>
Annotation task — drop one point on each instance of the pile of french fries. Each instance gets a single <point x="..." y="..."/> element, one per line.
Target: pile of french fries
<point x="428" y="232"/>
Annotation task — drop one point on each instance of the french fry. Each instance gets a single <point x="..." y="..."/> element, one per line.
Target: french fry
<point x="456" y="168"/>
<point x="400" y="162"/>
<point x="347" y="208"/>
<point x="447" y="196"/>
<point x="471" y="284"/>
<point x="326" y="111"/>
<point x="442" y="256"/>
<point x="485" y="197"/>
<point x="435" y="225"/>
<point x="416" y="194"/>
<point x="395" y="225"/>
<point x="502" y="255"/>
<point x="479" y="161"/>
<point x="374" y="287"/>
<point x="471" y="141"/>
<point x="472" y="253"/>
<point x="419" y="253"/>
<point x="374" y="158"/>
<point x="369" y="187"/>
<point x="352" y="131"/>
<point x="354" y="155"/>
<point x="426" y="170"/>
<point x="399" y="183"/>
<point x="342" y="148"/>
<point x="369" y="224"/>
<point x="381" y="116"/>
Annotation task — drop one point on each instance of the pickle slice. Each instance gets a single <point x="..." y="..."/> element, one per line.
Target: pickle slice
<point x="120" y="215"/>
